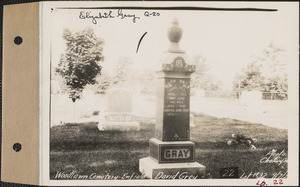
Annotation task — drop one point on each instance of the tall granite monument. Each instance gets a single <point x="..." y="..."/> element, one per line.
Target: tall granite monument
<point x="172" y="154"/>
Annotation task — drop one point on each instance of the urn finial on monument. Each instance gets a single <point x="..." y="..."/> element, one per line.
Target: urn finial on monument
<point x="175" y="60"/>
<point x="175" y="35"/>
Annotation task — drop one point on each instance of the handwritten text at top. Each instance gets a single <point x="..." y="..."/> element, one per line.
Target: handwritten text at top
<point x="115" y="14"/>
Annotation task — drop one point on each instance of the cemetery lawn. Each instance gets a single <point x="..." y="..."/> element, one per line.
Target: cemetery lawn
<point x="84" y="149"/>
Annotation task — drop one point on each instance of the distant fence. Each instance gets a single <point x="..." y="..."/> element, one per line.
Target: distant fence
<point x="270" y="96"/>
<point x="274" y="96"/>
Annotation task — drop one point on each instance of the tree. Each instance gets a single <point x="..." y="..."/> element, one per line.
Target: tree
<point x="199" y="76"/>
<point x="103" y="82"/>
<point x="201" y="79"/>
<point x="79" y="65"/>
<point x="266" y="72"/>
<point x="123" y="72"/>
<point x="275" y="71"/>
<point x="253" y="79"/>
<point x="147" y="81"/>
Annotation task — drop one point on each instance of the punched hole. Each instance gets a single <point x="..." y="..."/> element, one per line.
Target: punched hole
<point x="18" y="40"/>
<point x="17" y="147"/>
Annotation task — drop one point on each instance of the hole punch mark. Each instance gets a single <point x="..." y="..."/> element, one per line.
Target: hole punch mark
<point x="18" y="40"/>
<point x="17" y="147"/>
<point x="137" y="49"/>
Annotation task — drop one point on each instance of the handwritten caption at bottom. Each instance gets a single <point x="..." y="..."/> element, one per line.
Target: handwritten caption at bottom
<point x="74" y="175"/>
<point x="264" y="183"/>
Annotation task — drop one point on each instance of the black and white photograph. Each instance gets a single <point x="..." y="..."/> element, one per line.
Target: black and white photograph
<point x="177" y="93"/>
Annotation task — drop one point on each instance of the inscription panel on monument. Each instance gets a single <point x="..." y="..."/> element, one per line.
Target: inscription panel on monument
<point x="176" y="109"/>
<point x="177" y="154"/>
<point x="119" y="118"/>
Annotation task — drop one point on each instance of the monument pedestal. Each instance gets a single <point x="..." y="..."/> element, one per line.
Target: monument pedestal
<point x="154" y="170"/>
<point x="171" y="160"/>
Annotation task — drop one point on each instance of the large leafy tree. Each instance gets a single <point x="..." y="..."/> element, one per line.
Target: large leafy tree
<point x="79" y="65"/>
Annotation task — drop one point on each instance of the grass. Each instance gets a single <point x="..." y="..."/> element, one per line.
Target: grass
<point x="85" y="149"/>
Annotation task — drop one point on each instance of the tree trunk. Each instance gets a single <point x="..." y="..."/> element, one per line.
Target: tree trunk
<point x="74" y="109"/>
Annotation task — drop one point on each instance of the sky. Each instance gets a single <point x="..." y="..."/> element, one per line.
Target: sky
<point x="227" y="39"/>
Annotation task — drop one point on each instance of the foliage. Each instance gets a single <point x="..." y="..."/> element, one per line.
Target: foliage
<point x="79" y="65"/>
<point x="123" y="72"/>
<point x="251" y="77"/>
<point x="266" y="72"/>
<point x="147" y="81"/>
<point x="277" y="79"/>
<point x="103" y="82"/>
<point x="197" y="79"/>
<point x="201" y="79"/>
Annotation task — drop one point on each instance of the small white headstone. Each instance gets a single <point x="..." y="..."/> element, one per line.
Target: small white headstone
<point x="118" y="113"/>
<point x="192" y="124"/>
